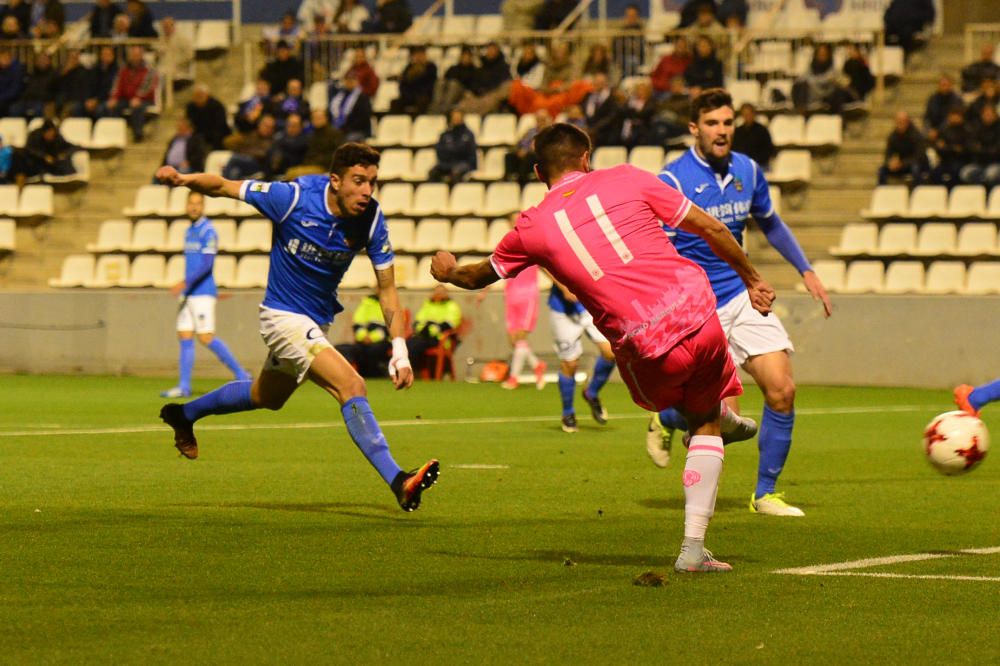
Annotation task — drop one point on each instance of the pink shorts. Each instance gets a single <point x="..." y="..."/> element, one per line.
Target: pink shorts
<point x="521" y="300"/>
<point x="694" y="376"/>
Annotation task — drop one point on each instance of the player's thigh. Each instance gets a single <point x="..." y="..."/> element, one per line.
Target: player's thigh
<point x="273" y="388"/>
<point x="293" y="342"/>
<point x="331" y="372"/>
<point x="713" y="377"/>
<point x="773" y="374"/>
<point x="567" y="334"/>
<point x="752" y="334"/>
<point x="202" y="310"/>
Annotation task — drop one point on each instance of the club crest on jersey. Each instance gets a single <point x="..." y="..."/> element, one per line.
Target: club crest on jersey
<point x="260" y="187"/>
<point x="738" y="184"/>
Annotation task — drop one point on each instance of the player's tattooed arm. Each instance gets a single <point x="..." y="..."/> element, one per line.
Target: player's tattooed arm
<point x="208" y="184"/>
<point x="444" y="268"/>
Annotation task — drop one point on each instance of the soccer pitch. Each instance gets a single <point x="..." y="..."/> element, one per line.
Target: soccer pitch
<point x="281" y="544"/>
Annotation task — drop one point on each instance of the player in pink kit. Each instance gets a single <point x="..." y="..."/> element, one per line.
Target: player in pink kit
<point x="599" y="234"/>
<point x="521" y="306"/>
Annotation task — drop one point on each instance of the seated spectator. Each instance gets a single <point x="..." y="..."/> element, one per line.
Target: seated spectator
<point x="984" y="68"/>
<point x="526" y="100"/>
<point x="289" y="147"/>
<point x="560" y="70"/>
<point x="905" y="19"/>
<point x="134" y="92"/>
<point x="753" y="139"/>
<point x="456" y="151"/>
<point x="492" y="72"/>
<point x="817" y="88"/>
<point x="351" y="110"/>
<point x="989" y="95"/>
<point x="250" y="151"/>
<point x="691" y="9"/>
<point x="40" y="89"/>
<point x="674" y="110"/>
<point x="120" y="27"/>
<point x="604" y="113"/>
<point x="630" y="50"/>
<point x="458" y="80"/>
<point x="319" y="49"/>
<point x="350" y="17"/>
<point x="904" y="153"/>
<point x="575" y="117"/>
<point x="21" y="10"/>
<point x="10" y="29"/>
<point x="364" y="73"/>
<point x="45" y="152"/>
<point x="102" y="83"/>
<point x="705" y="71"/>
<point x="707" y="25"/>
<point x="186" y="150"/>
<point x="288" y="30"/>
<point x="252" y="109"/>
<point x="553" y="13"/>
<point x="392" y="16"/>
<point x="639" y="127"/>
<point x="672" y="65"/>
<point x="290" y="102"/>
<point x="519" y="164"/>
<point x="6" y="162"/>
<point x="174" y="53"/>
<point x="599" y="62"/>
<point x="951" y="143"/>
<point x="48" y="18"/>
<point x="437" y="316"/>
<point x="310" y="9"/>
<point x="12" y="77"/>
<point x="322" y="140"/>
<point x="733" y="14"/>
<point x="74" y="85"/>
<point x="940" y="104"/>
<point x="102" y="17"/>
<point x="283" y="68"/>
<point x="859" y="74"/>
<point x="369" y="352"/>
<point x="984" y="149"/>
<point x="208" y="117"/>
<point x="530" y="69"/>
<point x="416" y="84"/>
<point x="140" y="20"/>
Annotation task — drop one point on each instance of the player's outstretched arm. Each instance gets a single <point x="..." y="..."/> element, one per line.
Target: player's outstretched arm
<point x="445" y="268"/>
<point x="783" y="240"/>
<point x="400" y="369"/>
<point x="209" y="184"/>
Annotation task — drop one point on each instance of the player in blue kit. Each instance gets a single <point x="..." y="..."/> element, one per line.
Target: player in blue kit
<point x="732" y="188"/>
<point x="320" y="224"/>
<point x="196" y="315"/>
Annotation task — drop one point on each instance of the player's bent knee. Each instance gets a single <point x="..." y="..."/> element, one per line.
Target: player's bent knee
<point x="354" y="387"/>
<point x="781" y="398"/>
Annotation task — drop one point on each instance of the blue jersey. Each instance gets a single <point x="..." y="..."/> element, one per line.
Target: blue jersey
<point x="201" y="244"/>
<point x="559" y="303"/>
<point x="733" y="199"/>
<point x="311" y="248"/>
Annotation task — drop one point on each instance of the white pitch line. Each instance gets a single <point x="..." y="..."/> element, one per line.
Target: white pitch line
<point x="872" y="574"/>
<point x="845" y="568"/>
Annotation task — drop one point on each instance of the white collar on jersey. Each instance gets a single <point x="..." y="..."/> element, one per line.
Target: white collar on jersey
<point x="720" y="180"/>
<point x="326" y="198"/>
<point x="567" y="179"/>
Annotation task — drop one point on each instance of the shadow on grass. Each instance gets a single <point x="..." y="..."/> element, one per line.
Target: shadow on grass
<point x="722" y="504"/>
<point x="578" y="558"/>
<point x="353" y="510"/>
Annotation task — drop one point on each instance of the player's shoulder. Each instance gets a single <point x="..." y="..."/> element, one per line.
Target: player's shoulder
<point x="745" y="164"/>
<point x="310" y="184"/>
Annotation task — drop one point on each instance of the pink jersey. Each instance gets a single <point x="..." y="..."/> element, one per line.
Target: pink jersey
<point x="599" y="233"/>
<point x="521" y="300"/>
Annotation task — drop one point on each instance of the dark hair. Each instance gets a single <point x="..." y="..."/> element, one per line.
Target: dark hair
<point x="351" y="154"/>
<point x="709" y="100"/>
<point x="560" y="147"/>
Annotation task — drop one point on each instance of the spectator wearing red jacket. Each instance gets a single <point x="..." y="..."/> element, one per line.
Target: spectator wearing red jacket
<point x="364" y="72"/>
<point x="133" y="92"/>
<point x="672" y="65"/>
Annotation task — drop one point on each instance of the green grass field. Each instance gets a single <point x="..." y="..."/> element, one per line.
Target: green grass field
<point x="281" y="544"/>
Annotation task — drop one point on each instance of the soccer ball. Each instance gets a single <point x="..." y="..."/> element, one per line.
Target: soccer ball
<point x="955" y="442"/>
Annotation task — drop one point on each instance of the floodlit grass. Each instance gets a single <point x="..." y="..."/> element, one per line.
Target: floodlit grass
<point x="281" y="544"/>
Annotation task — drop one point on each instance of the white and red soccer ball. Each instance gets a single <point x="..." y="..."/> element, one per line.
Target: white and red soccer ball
<point x="955" y="442"/>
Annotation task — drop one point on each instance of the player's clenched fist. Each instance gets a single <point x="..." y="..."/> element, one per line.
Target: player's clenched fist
<point x="442" y="265"/>
<point x="169" y="176"/>
<point x="761" y="296"/>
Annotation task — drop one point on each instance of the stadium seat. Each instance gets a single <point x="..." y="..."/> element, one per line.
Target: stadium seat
<point x="76" y="269"/>
<point x="673" y="155"/>
<point x="81" y="171"/>
<point x="831" y="272"/>
<point x="903" y="277"/>
<point x="149" y="200"/>
<point x="243" y="209"/>
<point x="401" y="234"/>
<point x="888" y="201"/>
<point x="112" y="236"/>
<point x="488" y="26"/>
<point x="649" y="158"/>
<point x="897" y="239"/>
<point x="253" y="236"/>
<point x="422" y="278"/>
<point x="218" y="206"/>
<point x="174" y="271"/>
<point x="77" y="131"/>
<point x="429" y="199"/>
<point x="36" y="201"/>
<point x="928" y="202"/>
<point x="891" y="63"/>
<point x="945" y="277"/>
<point x="387" y="91"/>
<point x="983" y="277"/>
<point x="777" y="94"/>
<point x="856" y="239"/>
<point x="146" y="270"/>
<point x="211" y="36"/>
<point x="967" y="201"/>
<point x="109" y="134"/>
<point x="359" y="275"/>
<point x="148" y="235"/>
<point x="501" y="199"/>
<point x="976" y="238"/>
<point x="788" y="130"/>
<point x="111" y="270"/>
<point x="491" y="166"/>
<point x="406" y="271"/>
<point x="993" y="204"/>
<point x="495" y="233"/>
<point x="8" y="236"/>
<point x="175" y="236"/>
<point x="226" y="231"/>
<point x="395" y="198"/>
<point x="744" y="91"/>
<point x="775" y="193"/>
<point x="318" y="94"/>
<point x="532" y="195"/>
<point x="466" y="198"/>
<point x="224" y="270"/>
<point x="395" y="163"/>
<point x="459" y="27"/>
<point x="431" y="235"/>
<point x="251" y="272"/>
<point x="791" y="167"/>
<point x="474" y="122"/>
<point x="608" y="156"/>
<point x="863" y="277"/>
<point x="468" y="234"/>
<point x="426" y="130"/>
<point x="176" y="203"/>
<point x="499" y="129"/>
<point x="393" y="130"/>
<point x="524" y="123"/>
<point x="216" y="160"/>
<point x="14" y="131"/>
<point x="9" y="197"/>
<point x="824" y="131"/>
<point x="423" y="161"/>
<point x="935" y="239"/>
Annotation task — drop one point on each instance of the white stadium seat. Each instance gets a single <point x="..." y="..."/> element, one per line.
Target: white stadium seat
<point x="945" y="277"/>
<point x="502" y="199"/>
<point x="359" y="275"/>
<point x="146" y="270"/>
<point x="983" y="277"/>
<point x="903" y="277"/>
<point x="216" y="160"/>
<point x="251" y="272"/>
<point x="81" y="171"/>
<point x="112" y="236"/>
<point x="218" y="206"/>
<point x="111" y="270"/>
<point x="393" y="130"/>
<point x="495" y="233"/>
<point x="224" y="270"/>
<point x="787" y="130"/>
<point x="863" y="277"/>
<point x="468" y="235"/>
<point x="426" y="130"/>
<point x="76" y="269"/>
<point x="211" y="36"/>
<point x="897" y="239"/>
<point x="423" y="161"/>
<point x="395" y="163"/>
<point x="387" y="91"/>
<point x="993" y="205"/>
<point x="174" y="272"/>
<point x="109" y="134"/>
<point x="649" y="158"/>
<point x="14" y="131"/>
<point x="936" y="238"/>
<point x="888" y="201"/>
<point x="609" y="156"/>
<point x="77" y="131"/>
<point x="401" y="234"/>
<point x="856" y="239"/>
<point x="36" y="201"/>
<point x="176" y="203"/>
<point x="394" y="198"/>
<point x="791" y="167"/>
<point x="422" y="275"/>
<point x="406" y="270"/>
<point x="429" y="199"/>
<point x="744" y="91"/>
<point x="8" y="237"/>
<point x="976" y="238"/>
<point x="491" y="165"/>
<point x="824" y="131"/>
<point x="431" y="235"/>
<point x="148" y="235"/>
<point x="928" y="202"/>
<point x="149" y="200"/>
<point x="499" y="129"/>
<point x="466" y="198"/>
<point x="832" y="274"/>
<point x="967" y="201"/>
<point x="532" y="195"/>
<point x="226" y="231"/>
<point x="9" y="197"/>
<point x="175" y="236"/>
<point x="253" y="236"/>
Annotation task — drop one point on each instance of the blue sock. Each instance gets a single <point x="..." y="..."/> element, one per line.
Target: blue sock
<point x="228" y="398"/>
<point x="671" y="418"/>
<point x="368" y="437"/>
<point x="220" y="349"/>
<point x="602" y="370"/>
<point x="985" y="394"/>
<point x="186" y="363"/>
<point x="567" y="385"/>
<point x="773" y="442"/>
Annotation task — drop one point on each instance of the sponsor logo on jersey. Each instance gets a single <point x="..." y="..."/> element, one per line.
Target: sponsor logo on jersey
<point x="700" y="188"/>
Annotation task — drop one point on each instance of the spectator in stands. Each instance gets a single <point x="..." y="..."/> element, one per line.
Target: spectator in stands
<point x="575" y="117"/>
<point x="208" y="117"/>
<point x="458" y="80"/>
<point x="252" y="109"/>
<point x="391" y="16"/>
<point x="289" y="147"/>
<point x="186" y="150"/>
<point x="674" y="110"/>
<point x="553" y="13"/>
<point x="456" y="151"/>
<point x="560" y="70"/>
<point x="630" y="50"/>
<point x="733" y="13"/>
<point x="604" y="113"/>
<point x="599" y="62"/>
<point x="322" y="140"/>
<point x="904" y="152"/>
<point x="989" y="95"/>
<point x="639" y="127"/>
<point x="984" y="68"/>
<point x="287" y="30"/>
<point x="951" y="142"/>
<point x="351" y="110"/>
<point x="174" y="53"/>
<point x="102" y="82"/>
<point x="416" y="84"/>
<point x="10" y="29"/>
<point x="74" y="85"/>
<point x="310" y="9"/>
<point x="492" y="72"/>
<point x="705" y="71"/>
<point x="706" y="25"/>
<point x="364" y="72"/>
<point x="291" y="101"/>
<point x="350" y="17"/>
<point x="860" y="78"/>
<point x="40" y="89"/>
<point x="519" y="164"/>
<point x="283" y="68"/>
<point x="318" y="49"/>
<point x="984" y="149"/>
<point x="120" y="26"/>
<point x="6" y="162"/>
<point x="370" y="351"/>
<point x="250" y="151"/>
<point x="140" y="20"/>
<point x="102" y="17"/>
<point x="691" y="9"/>
<point x="45" y="152"/>
<point x="905" y="19"/>
<point x="49" y="13"/>
<point x="134" y="92"/>
<point x="672" y="65"/>
<point x="437" y="316"/>
<point x="940" y="104"/>
<point x="753" y="139"/>
<point x="816" y="89"/>
<point x="530" y="69"/>
<point x="11" y="80"/>
<point x="20" y="10"/>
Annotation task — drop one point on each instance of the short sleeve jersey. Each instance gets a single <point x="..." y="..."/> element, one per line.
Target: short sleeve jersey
<point x="201" y="244"/>
<point x="600" y="234"/>
<point x="733" y="199"/>
<point x="311" y="247"/>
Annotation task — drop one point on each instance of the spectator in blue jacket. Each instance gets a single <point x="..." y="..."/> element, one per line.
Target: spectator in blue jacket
<point x="456" y="151"/>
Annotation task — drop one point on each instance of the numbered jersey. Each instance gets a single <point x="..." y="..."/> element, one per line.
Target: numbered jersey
<point x="600" y="234"/>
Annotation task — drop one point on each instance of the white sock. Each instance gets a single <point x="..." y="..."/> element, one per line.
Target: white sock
<point x="518" y="359"/>
<point x="701" y="483"/>
<point x="529" y="356"/>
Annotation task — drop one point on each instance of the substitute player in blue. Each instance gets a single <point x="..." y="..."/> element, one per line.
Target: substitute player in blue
<point x="320" y="224"/>
<point x="196" y="315"/>
<point x="731" y="187"/>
